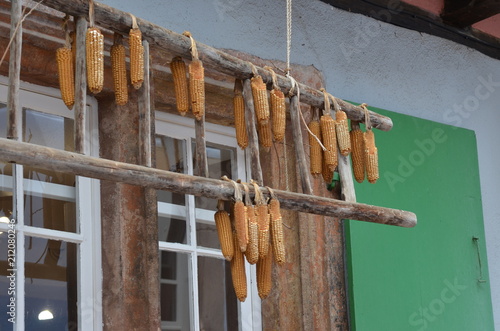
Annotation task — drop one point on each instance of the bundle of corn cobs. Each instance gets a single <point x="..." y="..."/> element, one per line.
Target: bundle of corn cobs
<point x="253" y="231"/>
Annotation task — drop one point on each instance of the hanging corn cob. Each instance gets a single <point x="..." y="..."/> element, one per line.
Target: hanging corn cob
<point x="263" y="220"/>
<point x="95" y="59"/>
<point x="66" y="71"/>
<point x="265" y="138"/>
<point x="371" y="153"/>
<point x="224" y="231"/>
<point x="238" y="273"/>
<point x="278" y="108"/>
<point x="136" y="55"/>
<point x="264" y="273"/>
<point x="329" y="137"/>
<point x="259" y="94"/>
<point x="315" y="150"/>
<point x="239" y="216"/>
<point x="178" y="69"/>
<point x="276" y="228"/>
<point x="119" y="70"/>
<point x="196" y="81"/>
<point x="358" y="152"/>
<point x="239" y="115"/>
<point x="252" y="252"/>
<point x="326" y="172"/>
<point x="342" y="129"/>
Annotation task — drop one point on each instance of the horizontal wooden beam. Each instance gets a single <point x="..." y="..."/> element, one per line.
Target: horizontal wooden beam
<point x="87" y="166"/>
<point x="463" y="13"/>
<point x="120" y="21"/>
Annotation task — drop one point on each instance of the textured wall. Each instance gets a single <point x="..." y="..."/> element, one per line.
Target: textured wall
<point x="366" y="61"/>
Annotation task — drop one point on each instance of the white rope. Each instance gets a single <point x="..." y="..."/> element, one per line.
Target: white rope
<point x="288" y="34"/>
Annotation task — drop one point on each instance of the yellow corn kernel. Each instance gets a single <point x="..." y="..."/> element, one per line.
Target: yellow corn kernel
<point x="119" y="74"/>
<point x="225" y="233"/>
<point x="238" y="273"/>
<point x="342" y="129"/>
<point x="252" y="252"/>
<point x="265" y="137"/>
<point x="315" y="151"/>
<point x="263" y="220"/>
<point x="358" y="154"/>
<point x="239" y="115"/>
<point x="260" y="101"/>
<point x="278" y="112"/>
<point x="371" y="157"/>
<point x="178" y="69"/>
<point x="329" y="141"/>
<point x="66" y="72"/>
<point x="326" y="172"/>
<point x="264" y="275"/>
<point x="94" y="41"/>
<point x="197" y="88"/>
<point x="240" y="224"/>
<point x="277" y="231"/>
<point x="136" y="58"/>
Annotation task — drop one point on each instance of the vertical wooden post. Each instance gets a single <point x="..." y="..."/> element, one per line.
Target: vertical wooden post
<point x="145" y="136"/>
<point x="14" y="107"/>
<point x="200" y="153"/>
<point x="80" y="85"/>
<point x="253" y="140"/>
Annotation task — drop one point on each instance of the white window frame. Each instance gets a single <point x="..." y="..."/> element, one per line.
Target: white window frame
<point x="89" y="304"/>
<point x="182" y="128"/>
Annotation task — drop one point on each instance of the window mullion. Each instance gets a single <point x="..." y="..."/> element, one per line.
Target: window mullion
<point x="18" y="204"/>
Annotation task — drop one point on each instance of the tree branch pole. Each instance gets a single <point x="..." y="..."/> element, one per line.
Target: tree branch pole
<point x="80" y="85"/>
<point x="120" y="21"/>
<point x="144" y="104"/>
<point x="14" y="109"/>
<point x="253" y="139"/>
<point x="83" y="165"/>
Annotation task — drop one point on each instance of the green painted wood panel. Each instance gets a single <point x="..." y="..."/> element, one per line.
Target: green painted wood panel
<point x="424" y="278"/>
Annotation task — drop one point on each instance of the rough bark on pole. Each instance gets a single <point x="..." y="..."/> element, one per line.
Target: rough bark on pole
<point x="253" y="139"/>
<point x="300" y="154"/>
<point x="120" y="21"/>
<point x="83" y="165"/>
<point x="144" y="103"/>
<point x="200" y="153"/>
<point x="346" y="183"/>
<point x="80" y="85"/>
<point x="13" y="104"/>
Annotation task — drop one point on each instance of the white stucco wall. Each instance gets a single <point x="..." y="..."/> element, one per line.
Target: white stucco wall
<point x="367" y="61"/>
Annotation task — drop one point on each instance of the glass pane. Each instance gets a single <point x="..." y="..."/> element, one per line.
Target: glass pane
<point x="51" y="199"/>
<point x="218" y="303"/>
<point x="51" y="285"/>
<point x="3" y="121"/>
<point x="206" y="235"/>
<point x="174" y="291"/>
<point x="171" y="229"/>
<point x="171" y="156"/>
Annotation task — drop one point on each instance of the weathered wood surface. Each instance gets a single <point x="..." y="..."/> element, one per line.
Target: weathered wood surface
<point x="144" y="104"/>
<point x="200" y="153"/>
<point x="14" y="112"/>
<point x="253" y="139"/>
<point x="119" y="21"/>
<point x="80" y="107"/>
<point x="300" y="154"/>
<point x="82" y="165"/>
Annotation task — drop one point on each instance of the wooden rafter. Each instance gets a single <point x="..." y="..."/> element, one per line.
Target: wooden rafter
<point x="463" y="13"/>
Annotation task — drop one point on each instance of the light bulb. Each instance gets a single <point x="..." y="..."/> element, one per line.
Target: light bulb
<point x="45" y="315"/>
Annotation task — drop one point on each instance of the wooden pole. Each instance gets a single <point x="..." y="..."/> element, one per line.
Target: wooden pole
<point x="80" y="85"/>
<point x="120" y="21"/>
<point x="144" y="102"/>
<point x="300" y="154"/>
<point x="14" y="107"/>
<point x="200" y="153"/>
<point x="83" y="165"/>
<point x="253" y="139"/>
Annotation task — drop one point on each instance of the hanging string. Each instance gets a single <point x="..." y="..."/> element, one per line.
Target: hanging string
<point x="288" y="35"/>
<point x="194" y="50"/>
<point x="134" y="21"/>
<point x="91" y="13"/>
<point x="65" y="25"/>
<point x="274" y="77"/>
<point x="326" y="108"/>
<point x="368" y="123"/>
<point x="255" y="72"/>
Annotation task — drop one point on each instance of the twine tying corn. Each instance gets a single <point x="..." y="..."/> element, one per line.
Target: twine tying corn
<point x="238" y="273"/>
<point x="371" y="152"/>
<point x="178" y="69"/>
<point x="136" y="55"/>
<point x="263" y="221"/>
<point x="358" y="152"/>
<point x="278" y="243"/>
<point x="239" y="216"/>
<point x="119" y="70"/>
<point x="196" y="81"/>
<point x="224" y="231"/>
<point x="239" y="115"/>
<point x="66" y="69"/>
<point x="252" y="252"/>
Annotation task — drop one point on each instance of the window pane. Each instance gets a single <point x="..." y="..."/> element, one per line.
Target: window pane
<point x="171" y="156"/>
<point x="218" y="303"/>
<point x="206" y="235"/>
<point x="50" y="285"/>
<point x="174" y="291"/>
<point x="3" y="121"/>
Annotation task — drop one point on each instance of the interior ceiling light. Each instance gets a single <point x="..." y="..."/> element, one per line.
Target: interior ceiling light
<point x="45" y="315"/>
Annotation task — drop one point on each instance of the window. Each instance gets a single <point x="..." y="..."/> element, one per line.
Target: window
<point x="195" y="280"/>
<point x="57" y="237"/>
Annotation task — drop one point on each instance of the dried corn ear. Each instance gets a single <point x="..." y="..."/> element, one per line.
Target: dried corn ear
<point x="277" y="231"/>
<point x="260" y="101"/>
<point x="342" y="129"/>
<point x="119" y="74"/>
<point x="326" y="172"/>
<point x="65" y="68"/>
<point x="252" y="252"/>
<point x="315" y="150"/>
<point x="358" y="153"/>
<point x="197" y="88"/>
<point x="264" y="275"/>
<point x="94" y="41"/>
<point x="136" y="57"/>
<point x="239" y="115"/>
<point x="225" y="233"/>
<point x="278" y="113"/>
<point x="263" y="221"/>
<point x="371" y="157"/>
<point x="265" y="137"/>
<point x="238" y="273"/>
<point x="240" y="224"/>
<point x="178" y="69"/>
<point x="329" y="140"/>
